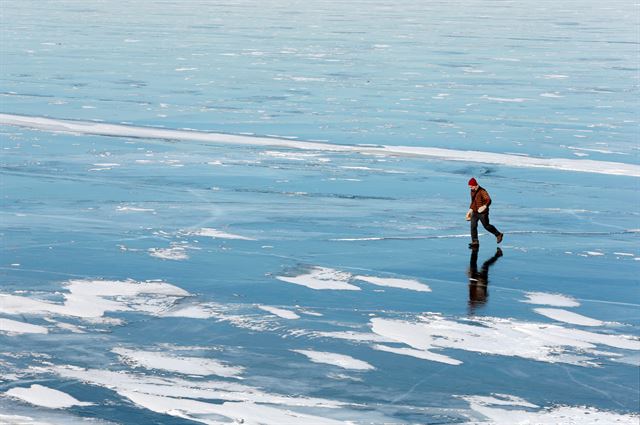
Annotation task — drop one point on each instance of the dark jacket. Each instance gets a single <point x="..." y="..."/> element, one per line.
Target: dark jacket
<point x="479" y="198"/>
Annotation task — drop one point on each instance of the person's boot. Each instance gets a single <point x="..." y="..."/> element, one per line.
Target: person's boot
<point x="499" y="237"/>
<point x="474" y="244"/>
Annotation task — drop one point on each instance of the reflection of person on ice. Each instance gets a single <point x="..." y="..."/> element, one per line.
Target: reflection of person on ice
<point x="479" y="210"/>
<point x="479" y="280"/>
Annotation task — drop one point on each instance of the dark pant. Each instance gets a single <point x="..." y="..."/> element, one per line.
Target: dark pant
<point x="484" y="219"/>
<point x="479" y="280"/>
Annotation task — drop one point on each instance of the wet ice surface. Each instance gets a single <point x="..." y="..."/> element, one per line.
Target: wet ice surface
<point x="170" y="281"/>
<point x="289" y="299"/>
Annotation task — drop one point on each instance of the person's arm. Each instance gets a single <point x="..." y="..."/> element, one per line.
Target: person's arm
<point x="485" y="199"/>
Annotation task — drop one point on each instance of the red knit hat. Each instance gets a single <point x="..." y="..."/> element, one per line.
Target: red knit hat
<point x="473" y="182"/>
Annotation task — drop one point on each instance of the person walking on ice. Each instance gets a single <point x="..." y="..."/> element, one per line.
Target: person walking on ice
<point x="479" y="210"/>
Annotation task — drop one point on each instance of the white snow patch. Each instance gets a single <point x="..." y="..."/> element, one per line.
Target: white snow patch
<point x="222" y="313"/>
<point x="359" y="239"/>
<point x="213" y="233"/>
<point x="551" y="95"/>
<point x="607" y="151"/>
<point x="568" y="317"/>
<point x="353" y="336"/>
<point x="420" y="354"/>
<point x="555" y="76"/>
<point x="500" y="400"/>
<point x="319" y="79"/>
<point x="13" y="327"/>
<point x="565" y="415"/>
<point x="106" y="164"/>
<point x="344" y="180"/>
<point x="186" y="365"/>
<point x="20" y="420"/>
<point x="340" y="360"/>
<point x="506" y="99"/>
<point x="602" y="167"/>
<point x="294" y="156"/>
<point x="377" y="170"/>
<point x="535" y="341"/>
<point x="187" y="398"/>
<point x="357" y="168"/>
<point x="89" y="127"/>
<point x="66" y="326"/>
<point x="343" y="377"/>
<point x="321" y="278"/>
<point x="410" y="284"/>
<point x="555" y="300"/>
<point x="133" y="209"/>
<point x="280" y="312"/>
<point x="44" y="417"/>
<point x="238" y="412"/>
<point x="91" y="299"/>
<point x="192" y="311"/>
<point x="179" y="387"/>
<point x="175" y="253"/>
<point x="45" y="397"/>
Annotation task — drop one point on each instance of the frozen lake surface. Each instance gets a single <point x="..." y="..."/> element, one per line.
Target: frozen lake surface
<point x="253" y="212"/>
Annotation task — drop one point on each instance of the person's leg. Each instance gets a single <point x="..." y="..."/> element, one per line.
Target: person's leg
<point x="474" y="227"/>
<point x="473" y="263"/>
<point x="484" y="271"/>
<point x="484" y="219"/>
